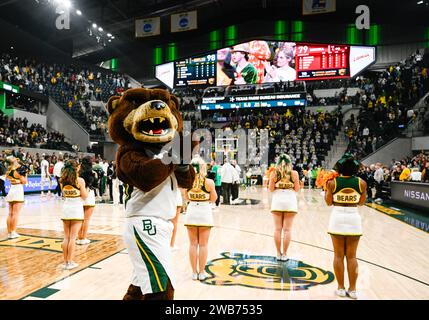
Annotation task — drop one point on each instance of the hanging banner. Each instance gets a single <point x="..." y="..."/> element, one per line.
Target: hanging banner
<point x="148" y="27"/>
<point x="184" y="21"/>
<point x="318" y="6"/>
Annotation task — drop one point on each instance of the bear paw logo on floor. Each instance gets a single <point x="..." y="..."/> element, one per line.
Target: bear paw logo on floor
<point x="264" y="272"/>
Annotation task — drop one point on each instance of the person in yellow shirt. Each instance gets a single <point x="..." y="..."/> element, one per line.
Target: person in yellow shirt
<point x="405" y="174"/>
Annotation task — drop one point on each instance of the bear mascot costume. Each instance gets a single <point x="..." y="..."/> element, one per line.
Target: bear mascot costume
<point x="143" y="122"/>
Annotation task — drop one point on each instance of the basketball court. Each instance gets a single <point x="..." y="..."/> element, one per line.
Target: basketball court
<point x="392" y="255"/>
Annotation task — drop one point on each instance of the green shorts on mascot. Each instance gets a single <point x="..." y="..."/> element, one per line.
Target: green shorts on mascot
<point x="143" y="122"/>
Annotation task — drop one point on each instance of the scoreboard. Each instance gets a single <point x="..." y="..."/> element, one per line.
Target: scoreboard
<point x="319" y="62"/>
<point x="305" y="62"/>
<point x="198" y="71"/>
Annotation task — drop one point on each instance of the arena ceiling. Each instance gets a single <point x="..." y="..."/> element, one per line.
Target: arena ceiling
<point x="117" y="18"/>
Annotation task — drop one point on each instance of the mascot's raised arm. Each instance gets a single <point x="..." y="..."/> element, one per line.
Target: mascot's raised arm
<point x="143" y="122"/>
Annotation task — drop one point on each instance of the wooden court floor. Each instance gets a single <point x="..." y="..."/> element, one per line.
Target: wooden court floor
<point x="392" y="255"/>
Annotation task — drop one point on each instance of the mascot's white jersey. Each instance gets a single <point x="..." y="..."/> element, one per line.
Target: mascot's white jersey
<point x="159" y="202"/>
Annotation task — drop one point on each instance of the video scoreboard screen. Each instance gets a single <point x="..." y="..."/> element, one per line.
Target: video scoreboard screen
<point x="260" y="61"/>
<point x="320" y="62"/>
<point x="199" y="71"/>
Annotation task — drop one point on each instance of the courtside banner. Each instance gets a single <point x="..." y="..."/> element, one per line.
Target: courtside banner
<point x="184" y="21"/>
<point x="34" y="184"/>
<point x="414" y="194"/>
<point x="148" y="27"/>
<point x="318" y="6"/>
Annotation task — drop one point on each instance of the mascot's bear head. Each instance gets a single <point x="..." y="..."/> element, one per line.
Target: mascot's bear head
<point x="144" y="115"/>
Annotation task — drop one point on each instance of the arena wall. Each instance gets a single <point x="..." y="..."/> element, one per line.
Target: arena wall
<point x="59" y="120"/>
<point x="398" y="148"/>
<point x="32" y="118"/>
<point x="420" y="143"/>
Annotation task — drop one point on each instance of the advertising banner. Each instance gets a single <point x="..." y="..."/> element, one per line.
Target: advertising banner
<point x="34" y="184"/>
<point x="413" y="194"/>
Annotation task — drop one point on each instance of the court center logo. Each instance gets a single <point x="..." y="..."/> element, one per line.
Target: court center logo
<point x="264" y="272"/>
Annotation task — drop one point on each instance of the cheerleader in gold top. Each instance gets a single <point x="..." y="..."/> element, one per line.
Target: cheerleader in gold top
<point x="74" y="191"/>
<point x="345" y="193"/>
<point x="199" y="218"/>
<point x="15" y="197"/>
<point x="284" y="184"/>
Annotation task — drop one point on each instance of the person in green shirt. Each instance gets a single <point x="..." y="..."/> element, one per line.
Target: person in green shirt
<point x="245" y="71"/>
<point x="312" y="174"/>
<point x="217" y="181"/>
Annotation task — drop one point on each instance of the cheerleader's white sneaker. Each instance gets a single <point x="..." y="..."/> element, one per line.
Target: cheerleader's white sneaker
<point x="352" y="294"/>
<point x="202" y="276"/>
<point x="341" y="293"/>
<point x="72" y="265"/>
<point x="285" y="258"/>
<point x="14" y="235"/>
<point x="195" y="276"/>
<point x="85" y="241"/>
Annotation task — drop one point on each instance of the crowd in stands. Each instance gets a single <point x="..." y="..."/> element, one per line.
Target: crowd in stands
<point x="190" y="98"/>
<point x="387" y="103"/>
<point x="17" y="132"/>
<point x="66" y="84"/>
<point x="378" y="176"/>
<point x="96" y="117"/>
<point x="385" y="97"/>
<point x="305" y="136"/>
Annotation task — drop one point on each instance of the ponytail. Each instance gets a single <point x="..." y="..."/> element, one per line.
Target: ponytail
<point x="69" y="173"/>
<point x="201" y="170"/>
<point x="284" y="167"/>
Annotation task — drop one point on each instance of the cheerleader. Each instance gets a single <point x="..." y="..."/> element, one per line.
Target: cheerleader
<point x="199" y="218"/>
<point x="90" y="178"/>
<point x="284" y="184"/>
<point x="179" y="205"/>
<point x="15" y="197"/>
<point x="74" y="191"/>
<point x="345" y="193"/>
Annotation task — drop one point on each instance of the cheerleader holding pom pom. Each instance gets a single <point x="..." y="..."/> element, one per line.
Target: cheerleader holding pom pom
<point x="345" y="193"/>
